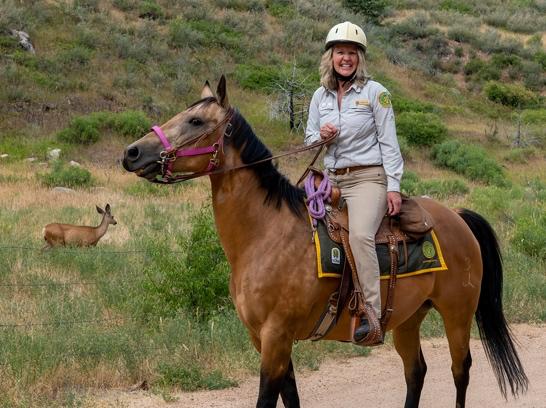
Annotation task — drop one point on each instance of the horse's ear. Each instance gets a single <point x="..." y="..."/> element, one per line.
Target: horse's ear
<point x="221" y="92"/>
<point x="207" y="91"/>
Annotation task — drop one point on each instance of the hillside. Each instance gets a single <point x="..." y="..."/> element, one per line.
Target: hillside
<point x="150" y="304"/>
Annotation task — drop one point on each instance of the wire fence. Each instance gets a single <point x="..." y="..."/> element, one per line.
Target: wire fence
<point x="16" y="286"/>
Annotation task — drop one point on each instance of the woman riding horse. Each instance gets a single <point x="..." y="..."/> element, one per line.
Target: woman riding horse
<point x="262" y="225"/>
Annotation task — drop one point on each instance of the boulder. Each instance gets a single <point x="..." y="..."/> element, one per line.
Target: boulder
<point x="24" y="40"/>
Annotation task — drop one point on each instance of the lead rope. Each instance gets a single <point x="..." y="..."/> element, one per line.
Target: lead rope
<point x="316" y="198"/>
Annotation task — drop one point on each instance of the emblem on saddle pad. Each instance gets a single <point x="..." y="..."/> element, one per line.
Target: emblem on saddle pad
<point x="428" y="250"/>
<point x="335" y="256"/>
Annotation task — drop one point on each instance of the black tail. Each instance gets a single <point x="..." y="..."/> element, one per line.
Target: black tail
<point x="494" y="331"/>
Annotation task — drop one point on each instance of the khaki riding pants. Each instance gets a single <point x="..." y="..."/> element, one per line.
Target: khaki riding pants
<point x="365" y="192"/>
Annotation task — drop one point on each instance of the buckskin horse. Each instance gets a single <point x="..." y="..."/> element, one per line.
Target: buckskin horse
<point x="263" y="227"/>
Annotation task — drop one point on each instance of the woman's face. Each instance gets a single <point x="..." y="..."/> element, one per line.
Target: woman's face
<point x="345" y="58"/>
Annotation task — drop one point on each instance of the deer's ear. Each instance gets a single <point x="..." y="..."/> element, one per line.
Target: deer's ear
<point x="107" y="208"/>
<point x="207" y="91"/>
<point x="221" y="92"/>
<point x="99" y="210"/>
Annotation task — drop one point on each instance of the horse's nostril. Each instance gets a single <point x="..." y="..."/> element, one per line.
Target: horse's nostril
<point x="133" y="153"/>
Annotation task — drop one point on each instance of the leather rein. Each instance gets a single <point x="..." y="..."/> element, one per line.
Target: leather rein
<point x="170" y="154"/>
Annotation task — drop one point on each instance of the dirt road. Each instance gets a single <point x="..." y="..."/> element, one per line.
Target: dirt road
<point x="377" y="381"/>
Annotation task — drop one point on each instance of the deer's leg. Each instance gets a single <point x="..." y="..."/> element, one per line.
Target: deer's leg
<point x="276" y="372"/>
<point x="408" y="346"/>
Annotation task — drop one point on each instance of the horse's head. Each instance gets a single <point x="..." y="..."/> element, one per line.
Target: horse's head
<point x="187" y="143"/>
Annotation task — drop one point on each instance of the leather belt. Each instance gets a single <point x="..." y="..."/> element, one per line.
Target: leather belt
<point x="347" y="170"/>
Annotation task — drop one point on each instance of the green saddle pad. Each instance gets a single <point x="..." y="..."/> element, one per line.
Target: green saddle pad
<point x="423" y="255"/>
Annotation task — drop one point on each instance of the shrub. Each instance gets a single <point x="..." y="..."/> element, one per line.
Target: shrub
<point x="415" y="27"/>
<point x="86" y="129"/>
<point x="401" y="104"/>
<point x="481" y="70"/>
<point x="66" y="176"/>
<point x="534" y="116"/>
<point x="197" y="281"/>
<point x="374" y="9"/>
<point x="459" y="6"/>
<point x="256" y="77"/>
<point x="124" y="5"/>
<point x="461" y="35"/>
<point x="421" y="128"/>
<point x="411" y="185"/>
<point x="131" y="123"/>
<point x="520" y="155"/>
<point x="529" y="236"/>
<point x="470" y="161"/>
<point x="510" y="94"/>
<point x="75" y="57"/>
<point x="150" y="9"/>
<point x="81" y="130"/>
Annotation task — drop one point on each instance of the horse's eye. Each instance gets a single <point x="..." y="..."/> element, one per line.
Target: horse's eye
<point x="196" y="121"/>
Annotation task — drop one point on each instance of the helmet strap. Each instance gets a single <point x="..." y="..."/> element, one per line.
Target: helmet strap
<point x="345" y="79"/>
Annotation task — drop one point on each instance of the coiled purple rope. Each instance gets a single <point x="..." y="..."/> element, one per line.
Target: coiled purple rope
<point x="316" y="198"/>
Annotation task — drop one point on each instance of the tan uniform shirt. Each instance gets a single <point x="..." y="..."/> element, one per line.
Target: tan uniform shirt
<point x="367" y="129"/>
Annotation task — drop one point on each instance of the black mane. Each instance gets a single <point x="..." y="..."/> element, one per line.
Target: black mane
<point x="278" y="187"/>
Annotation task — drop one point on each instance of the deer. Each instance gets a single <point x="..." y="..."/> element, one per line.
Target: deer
<point x="56" y="234"/>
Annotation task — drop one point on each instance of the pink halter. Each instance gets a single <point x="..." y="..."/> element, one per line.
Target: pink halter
<point x="170" y="154"/>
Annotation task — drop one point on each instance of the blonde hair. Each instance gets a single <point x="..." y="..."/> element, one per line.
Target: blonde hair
<point x="327" y="75"/>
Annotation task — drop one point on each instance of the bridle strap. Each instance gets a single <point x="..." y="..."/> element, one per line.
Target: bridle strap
<point x="169" y="155"/>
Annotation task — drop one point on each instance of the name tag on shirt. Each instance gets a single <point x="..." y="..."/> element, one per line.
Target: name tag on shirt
<point x="362" y="102"/>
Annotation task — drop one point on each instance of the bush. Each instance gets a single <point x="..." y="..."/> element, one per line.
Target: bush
<point x="131" y="123"/>
<point x="81" y="130"/>
<point x="197" y="281"/>
<point x="421" y="128"/>
<point x="86" y="129"/>
<point x="481" y="70"/>
<point x="415" y="27"/>
<point x="401" y="104"/>
<point x="412" y="186"/>
<point x="529" y="236"/>
<point x="66" y="176"/>
<point x="374" y="9"/>
<point x="150" y="9"/>
<point x="470" y="161"/>
<point x="256" y="77"/>
<point x="512" y="95"/>
<point x="459" y="6"/>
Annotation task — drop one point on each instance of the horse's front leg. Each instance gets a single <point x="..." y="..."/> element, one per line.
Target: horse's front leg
<point x="276" y="372"/>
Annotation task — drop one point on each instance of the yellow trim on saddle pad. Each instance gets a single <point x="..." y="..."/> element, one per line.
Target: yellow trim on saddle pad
<point x="442" y="266"/>
<point x="431" y="251"/>
<point x="321" y="273"/>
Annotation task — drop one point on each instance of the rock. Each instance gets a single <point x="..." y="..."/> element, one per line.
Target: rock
<point x="63" y="190"/>
<point x="24" y="40"/>
<point x="30" y="159"/>
<point x="74" y="163"/>
<point x="54" y="154"/>
<point x="3" y="156"/>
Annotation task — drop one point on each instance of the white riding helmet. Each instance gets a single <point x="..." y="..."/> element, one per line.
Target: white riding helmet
<point x="346" y="32"/>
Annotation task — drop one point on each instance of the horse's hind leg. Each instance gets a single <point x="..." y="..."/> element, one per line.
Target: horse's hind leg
<point x="408" y="346"/>
<point x="458" y="337"/>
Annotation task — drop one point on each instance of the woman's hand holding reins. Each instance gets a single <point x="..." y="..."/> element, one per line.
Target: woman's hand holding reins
<point x="328" y="131"/>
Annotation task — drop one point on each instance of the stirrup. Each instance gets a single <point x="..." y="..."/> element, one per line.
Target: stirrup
<point x="375" y="335"/>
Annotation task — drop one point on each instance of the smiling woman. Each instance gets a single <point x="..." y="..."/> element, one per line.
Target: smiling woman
<point x="363" y="159"/>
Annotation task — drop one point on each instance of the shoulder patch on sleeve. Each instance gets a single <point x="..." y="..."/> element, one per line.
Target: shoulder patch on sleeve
<point x="385" y="99"/>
